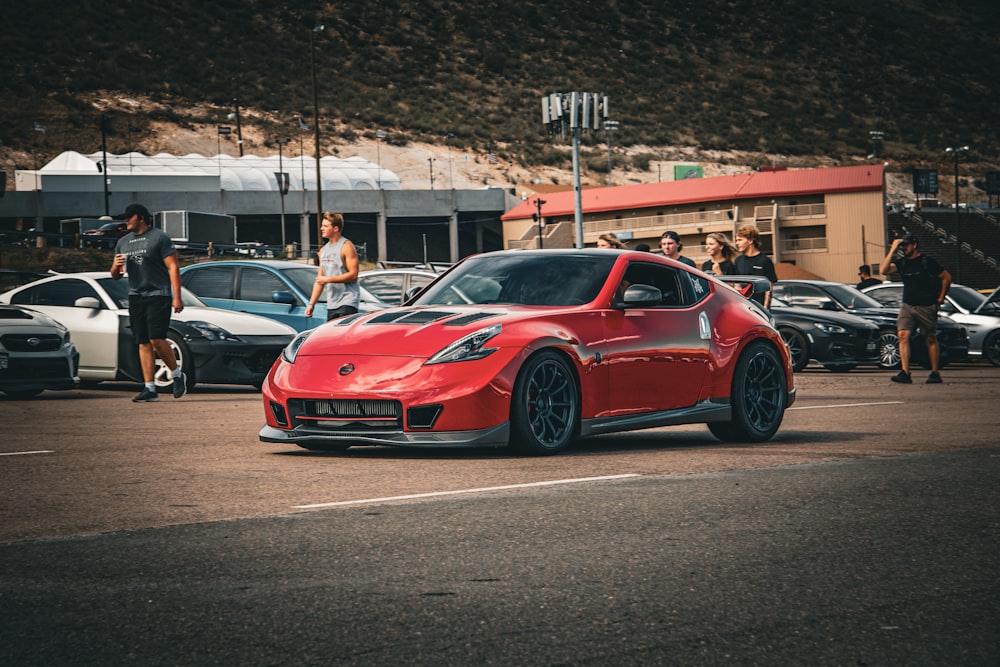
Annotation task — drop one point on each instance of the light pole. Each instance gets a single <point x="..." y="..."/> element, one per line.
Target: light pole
<point x="104" y="162"/>
<point x="283" y="181"/>
<point x="538" y="218"/>
<point x="239" y="127"/>
<point x="319" y="179"/>
<point x="877" y="137"/>
<point x="430" y="162"/>
<point x="956" y="151"/>
<point x="609" y="127"/>
<point x="451" y="178"/>
<point x="379" y="134"/>
<point x="575" y="111"/>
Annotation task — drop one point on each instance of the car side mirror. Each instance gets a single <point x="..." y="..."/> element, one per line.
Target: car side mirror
<point x="642" y="296"/>
<point x="412" y="292"/>
<point x="283" y="297"/>
<point x="87" y="302"/>
<point x="828" y="305"/>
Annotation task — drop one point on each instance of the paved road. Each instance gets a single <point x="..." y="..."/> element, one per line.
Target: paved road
<point x="865" y="533"/>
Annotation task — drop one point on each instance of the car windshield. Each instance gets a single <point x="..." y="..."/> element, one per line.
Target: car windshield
<point x="118" y="291"/>
<point x="850" y="297"/>
<point x="534" y="279"/>
<point x="304" y="277"/>
<point x="969" y="299"/>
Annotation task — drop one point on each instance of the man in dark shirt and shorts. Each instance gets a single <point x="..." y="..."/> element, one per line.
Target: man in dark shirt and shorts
<point x="149" y="259"/>
<point x="925" y="285"/>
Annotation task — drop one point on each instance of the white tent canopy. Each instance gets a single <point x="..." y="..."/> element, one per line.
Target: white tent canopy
<point x="239" y="174"/>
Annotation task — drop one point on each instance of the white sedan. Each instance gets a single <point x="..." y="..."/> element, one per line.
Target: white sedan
<point x="213" y="346"/>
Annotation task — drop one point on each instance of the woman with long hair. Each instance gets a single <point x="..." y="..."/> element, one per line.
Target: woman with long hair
<point x="721" y="254"/>
<point x="610" y="240"/>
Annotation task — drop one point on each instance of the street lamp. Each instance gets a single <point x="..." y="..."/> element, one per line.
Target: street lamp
<point x="538" y="218"/>
<point x="319" y="179"/>
<point x="283" y="183"/>
<point x="430" y="162"/>
<point x="104" y="162"/>
<point x="239" y="127"/>
<point x="877" y="137"/>
<point x="609" y="127"/>
<point x="572" y="112"/>
<point x="956" y="151"/>
<point x="379" y="134"/>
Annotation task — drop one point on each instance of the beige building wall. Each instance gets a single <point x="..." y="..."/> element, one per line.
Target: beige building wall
<point x="829" y="235"/>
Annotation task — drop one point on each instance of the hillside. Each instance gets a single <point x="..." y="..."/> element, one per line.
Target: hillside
<point x="728" y="83"/>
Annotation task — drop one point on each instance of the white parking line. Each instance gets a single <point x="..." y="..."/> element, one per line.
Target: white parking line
<point x="41" y="451"/>
<point x="461" y="491"/>
<point x="846" y="405"/>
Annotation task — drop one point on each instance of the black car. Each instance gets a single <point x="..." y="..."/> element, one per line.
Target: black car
<point x="838" y="341"/>
<point x="838" y="297"/>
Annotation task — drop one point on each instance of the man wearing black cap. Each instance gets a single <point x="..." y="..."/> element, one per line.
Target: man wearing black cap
<point x="149" y="259"/>
<point x="925" y="285"/>
<point x="670" y="244"/>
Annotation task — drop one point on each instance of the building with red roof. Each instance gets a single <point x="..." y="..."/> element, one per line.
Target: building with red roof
<point x="827" y="221"/>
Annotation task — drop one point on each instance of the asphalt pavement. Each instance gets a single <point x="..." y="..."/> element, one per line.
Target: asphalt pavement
<point x="866" y="533"/>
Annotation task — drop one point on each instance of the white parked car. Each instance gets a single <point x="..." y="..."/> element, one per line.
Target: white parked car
<point x="980" y="315"/>
<point x="213" y="346"/>
<point x="36" y="353"/>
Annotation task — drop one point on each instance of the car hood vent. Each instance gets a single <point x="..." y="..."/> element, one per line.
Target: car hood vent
<point x="409" y="317"/>
<point x="468" y="319"/>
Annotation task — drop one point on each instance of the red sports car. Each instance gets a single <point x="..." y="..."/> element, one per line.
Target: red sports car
<point x="532" y="349"/>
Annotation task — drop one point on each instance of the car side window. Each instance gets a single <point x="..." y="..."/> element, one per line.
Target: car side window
<point x="55" y="293"/>
<point x="662" y="278"/>
<point x="259" y="285"/>
<point x="388" y="288"/>
<point x="807" y="296"/>
<point x="211" y="282"/>
<point x="891" y="297"/>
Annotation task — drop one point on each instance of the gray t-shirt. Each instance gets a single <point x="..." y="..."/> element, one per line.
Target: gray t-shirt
<point x="147" y="274"/>
<point x="337" y="294"/>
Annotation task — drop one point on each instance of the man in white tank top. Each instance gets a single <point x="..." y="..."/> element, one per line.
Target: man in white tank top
<point x="338" y="271"/>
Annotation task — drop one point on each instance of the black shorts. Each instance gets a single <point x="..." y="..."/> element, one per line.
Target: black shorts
<point x="150" y="317"/>
<point x="343" y="311"/>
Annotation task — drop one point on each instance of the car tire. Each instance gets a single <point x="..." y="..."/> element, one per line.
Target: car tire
<point x="888" y="350"/>
<point x="991" y="347"/>
<point x="758" y="397"/>
<point x="798" y="348"/>
<point x="163" y="376"/>
<point x="545" y="405"/>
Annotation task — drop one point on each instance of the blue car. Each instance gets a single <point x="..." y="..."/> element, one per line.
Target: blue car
<point x="277" y="289"/>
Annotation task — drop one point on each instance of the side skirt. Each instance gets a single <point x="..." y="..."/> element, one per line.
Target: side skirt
<point x="706" y="411"/>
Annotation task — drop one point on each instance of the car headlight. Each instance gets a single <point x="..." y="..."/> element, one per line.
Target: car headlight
<point x="212" y="332"/>
<point x="830" y="328"/>
<point x="292" y="349"/>
<point x="468" y="348"/>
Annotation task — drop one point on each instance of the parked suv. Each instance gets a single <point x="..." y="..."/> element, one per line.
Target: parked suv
<point x="832" y="296"/>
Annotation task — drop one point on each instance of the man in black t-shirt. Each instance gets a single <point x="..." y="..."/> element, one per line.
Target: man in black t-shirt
<point x="753" y="262"/>
<point x="925" y="285"/>
<point x="148" y="257"/>
<point x="865" y="274"/>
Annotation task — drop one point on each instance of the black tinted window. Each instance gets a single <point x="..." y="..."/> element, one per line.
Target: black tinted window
<point x="259" y="285"/>
<point x="55" y="293"/>
<point x="211" y="282"/>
